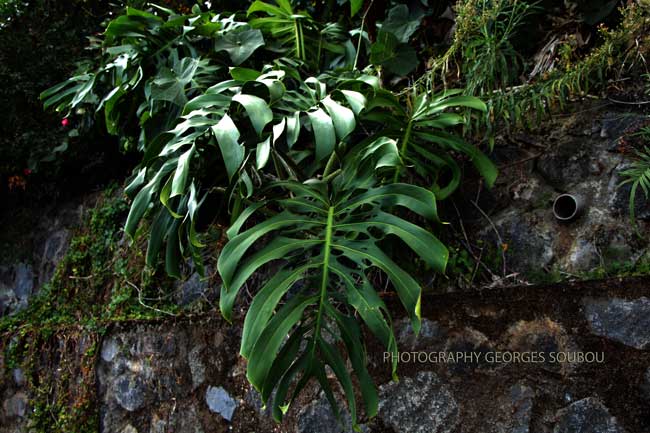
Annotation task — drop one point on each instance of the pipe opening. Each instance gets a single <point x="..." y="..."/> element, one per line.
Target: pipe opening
<point x="566" y="207"/>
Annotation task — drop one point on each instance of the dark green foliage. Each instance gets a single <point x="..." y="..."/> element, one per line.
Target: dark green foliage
<point x="638" y="175"/>
<point x="236" y="113"/>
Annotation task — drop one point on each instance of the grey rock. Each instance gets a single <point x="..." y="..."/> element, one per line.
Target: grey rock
<point x="219" y="401"/>
<point x="197" y="368"/>
<point x="588" y="415"/>
<point x="110" y="348"/>
<point x="254" y="400"/>
<point x="543" y="336"/>
<point x="54" y="248"/>
<point x="129" y="391"/>
<point x="129" y="429"/>
<point x="19" y="377"/>
<point x="617" y="124"/>
<point x="566" y="164"/>
<point x="181" y="419"/>
<point x="16" y="406"/>
<point x="521" y="408"/>
<point x="530" y="242"/>
<point x="192" y="289"/>
<point x="468" y="340"/>
<point x="16" y="287"/>
<point x="23" y="281"/>
<point x="160" y="345"/>
<point x="625" y="321"/>
<point x="583" y="256"/>
<point x="423" y="404"/>
<point x="318" y="417"/>
<point x="431" y="335"/>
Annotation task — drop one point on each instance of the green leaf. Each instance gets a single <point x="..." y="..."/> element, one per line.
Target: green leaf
<point x="398" y="58"/>
<point x="262" y="153"/>
<point x="244" y="74"/>
<point x="240" y="44"/>
<point x="180" y="177"/>
<point x="270" y="340"/>
<point x="143" y="198"/>
<point x="355" y="7"/>
<point x="264" y="305"/>
<point x="257" y="109"/>
<point x="342" y="117"/>
<point x="324" y="133"/>
<point x="400" y="22"/>
<point x="227" y="136"/>
<point x="356" y="100"/>
<point x="411" y="197"/>
<point x="408" y="289"/>
<point x="83" y="92"/>
<point x="235" y="249"/>
<point x="173" y="252"/>
<point x="159" y="228"/>
<point x="423" y="243"/>
<point x="293" y="129"/>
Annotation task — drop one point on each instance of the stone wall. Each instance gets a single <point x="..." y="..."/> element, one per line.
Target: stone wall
<point x="184" y="376"/>
<point x="582" y="154"/>
<point x="48" y="242"/>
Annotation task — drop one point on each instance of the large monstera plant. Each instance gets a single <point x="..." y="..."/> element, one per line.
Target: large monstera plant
<point x="329" y="234"/>
<point x="321" y="171"/>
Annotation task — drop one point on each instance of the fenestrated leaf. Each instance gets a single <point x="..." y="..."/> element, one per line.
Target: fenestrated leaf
<point x="170" y="85"/>
<point x="264" y="305"/>
<point x="234" y="250"/>
<point x="423" y="243"/>
<point x="323" y="234"/>
<point x="270" y="340"/>
<point x="333" y="358"/>
<point x="351" y="336"/>
<point x="483" y="164"/>
<point x="407" y="287"/>
<point x="414" y="198"/>
<point x="279" y="248"/>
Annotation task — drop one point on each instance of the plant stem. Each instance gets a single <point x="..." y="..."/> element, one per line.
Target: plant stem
<point x="326" y="265"/>
<point x="332" y="175"/>
<point x="363" y="21"/>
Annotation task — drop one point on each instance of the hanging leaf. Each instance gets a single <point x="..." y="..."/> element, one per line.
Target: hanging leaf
<point x="227" y="136"/>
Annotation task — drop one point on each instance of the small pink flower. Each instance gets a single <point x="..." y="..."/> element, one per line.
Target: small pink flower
<point x="65" y="122"/>
<point x="27" y="172"/>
